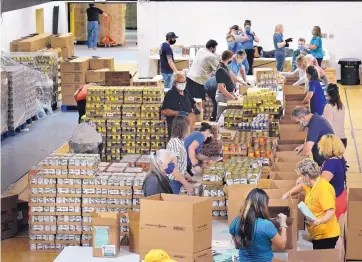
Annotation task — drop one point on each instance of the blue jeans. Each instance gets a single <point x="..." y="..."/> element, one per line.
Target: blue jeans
<point x="93" y="29"/>
<point x="176" y="186"/>
<point x="280" y="57"/>
<point x="168" y="80"/>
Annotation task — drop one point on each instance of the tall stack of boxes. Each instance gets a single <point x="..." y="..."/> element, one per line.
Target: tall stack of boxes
<point x="65" y="42"/>
<point x="98" y="68"/>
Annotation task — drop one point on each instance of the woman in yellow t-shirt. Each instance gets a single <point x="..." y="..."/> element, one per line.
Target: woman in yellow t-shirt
<point x="321" y="200"/>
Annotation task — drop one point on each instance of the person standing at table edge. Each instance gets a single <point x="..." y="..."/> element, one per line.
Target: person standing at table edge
<point x="237" y="66"/>
<point x="93" y="25"/>
<point x="280" y="45"/>
<point x="249" y="45"/>
<point x="80" y="96"/>
<point x="318" y="126"/>
<point x="204" y="64"/>
<point x="167" y="61"/>
<point x="316" y="46"/>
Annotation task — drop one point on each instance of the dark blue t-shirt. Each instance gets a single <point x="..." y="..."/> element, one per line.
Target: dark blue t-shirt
<point x="337" y="167"/>
<point x="194" y="136"/>
<point x="260" y="250"/>
<point x="166" y="51"/>
<point x="318" y="126"/>
<point x="318" y="101"/>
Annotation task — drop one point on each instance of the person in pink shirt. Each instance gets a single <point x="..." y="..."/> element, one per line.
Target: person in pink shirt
<point x="322" y="75"/>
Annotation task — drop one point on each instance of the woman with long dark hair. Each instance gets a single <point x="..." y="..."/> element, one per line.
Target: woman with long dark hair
<point x="316" y="46"/>
<point x="315" y="94"/>
<point x="253" y="233"/>
<point x="334" y="112"/>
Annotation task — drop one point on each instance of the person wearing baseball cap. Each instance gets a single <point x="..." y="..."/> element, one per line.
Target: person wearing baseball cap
<point x="167" y="62"/>
<point x="158" y="255"/>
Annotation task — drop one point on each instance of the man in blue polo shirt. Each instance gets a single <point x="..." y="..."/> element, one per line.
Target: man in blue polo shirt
<point x="318" y="126"/>
<point x="167" y="62"/>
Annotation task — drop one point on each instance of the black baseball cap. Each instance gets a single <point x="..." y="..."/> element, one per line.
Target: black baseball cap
<point x="171" y="35"/>
<point x="235" y="27"/>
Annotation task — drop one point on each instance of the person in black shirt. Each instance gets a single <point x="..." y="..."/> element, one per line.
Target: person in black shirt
<point x="225" y="85"/>
<point x="167" y="61"/>
<point x="178" y="102"/>
<point x="93" y="25"/>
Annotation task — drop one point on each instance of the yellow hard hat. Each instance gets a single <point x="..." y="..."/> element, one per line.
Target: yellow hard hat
<point x="158" y="255"/>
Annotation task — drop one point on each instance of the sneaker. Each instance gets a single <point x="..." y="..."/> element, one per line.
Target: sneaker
<point x="94" y="48"/>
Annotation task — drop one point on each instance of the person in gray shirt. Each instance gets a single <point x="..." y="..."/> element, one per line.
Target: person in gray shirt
<point x="157" y="182"/>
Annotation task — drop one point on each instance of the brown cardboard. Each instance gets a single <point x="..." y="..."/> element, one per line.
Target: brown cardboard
<point x="9" y="213"/>
<point x="290" y="128"/>
<point x="63" y="40"/>
<point x="283" y="184"/>
<point x="69" y="89"/>
<point x="68" y="51"/>
<point x="68" y="100"/>
<point x="101" y="63"/>
<point x="293" y="90"/>
<point x="327" y="255"/>
<point x="34" y="43"/>
<point x="284" y="166"/>
<point x="288" y="147"/>
<point x="80" y="64"/>
<point x="288" y="156"/>
<point x="284" y="176"/>
<point x="203" y="256"/>
<point x="14" y="46"/>
<point x="110" y="220"/>
<point x="118" y="78"/>
<point x="96" y="76"/>
<point x="354" y="208"/>
<point x="290" y="134"/>
<point x="353" y="243"/>
<point x="73" y="78"/>
<point x="168" y="220"/>
<point x="134" y="231"/>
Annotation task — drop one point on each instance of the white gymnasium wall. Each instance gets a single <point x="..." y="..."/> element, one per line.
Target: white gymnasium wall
<point x="197" y="22"/>
<point x="19" y="23"/>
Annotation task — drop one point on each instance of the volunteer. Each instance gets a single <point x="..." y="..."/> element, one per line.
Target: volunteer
<point x="279" y="45"/>
<point x="302" y="64"/>
<point x="333" y="170"/>
<point x="301" y="50"/>
<point x="93" y="25"/>
<point x="317" y="127"/>
<point x="334" y="112"/>
<point x="176" y="145"/>
<point x="321" y="73"/>
<point x="177" y="101"/>
<point x="249" y="45"/>
<point x="315" y="93"/>
<point x="167" y="62"/>
<point x="158" y="255"/>
<point x="321" y="200"/>
<point x="234" y="47"/>
<point x="204" y="64"/>
<point x="238" y="32"/>
<point x="237" y="67"/>
<point x="253" y="233"/>
<point x="80" y="96"/>
<point x="210" y="88"/>
<point x="193" y="144"/>
<point x="316" y="46"/>
<point x="226" y="87"/>
<point x="156" y="181"/>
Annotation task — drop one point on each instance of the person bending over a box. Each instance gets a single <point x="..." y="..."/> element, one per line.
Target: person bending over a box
<point x="253" y="233"/>
<point x="80" y="97"/>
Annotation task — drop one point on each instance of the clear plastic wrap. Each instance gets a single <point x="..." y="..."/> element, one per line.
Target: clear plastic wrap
<point x="4" y="102"/>
<point x="85" y="140"/>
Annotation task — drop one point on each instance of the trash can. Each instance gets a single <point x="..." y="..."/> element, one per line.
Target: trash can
<point x="350" y="71"/>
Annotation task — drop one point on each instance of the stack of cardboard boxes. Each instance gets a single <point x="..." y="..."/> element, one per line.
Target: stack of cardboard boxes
<point x="98" y="69"/>
<point x="65" y="42"/>
<point x="31" y="43"/>
<point x="9" y="214"/>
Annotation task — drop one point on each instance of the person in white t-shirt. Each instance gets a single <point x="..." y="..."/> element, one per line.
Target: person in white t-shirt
<point x="204" y="64"/>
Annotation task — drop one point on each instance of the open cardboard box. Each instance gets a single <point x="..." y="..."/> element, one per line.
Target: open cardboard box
<point x="134" y="231"/>
<point x="284" y="176"/>
<point x="287" y="147"/>
<point x="293" y="90"/>
<point x="354" y="224"/>
<point x="326" y="255"/>
<point x="287" y="156"/>
<point x="290" y="128"/>
<point x="292" y="135"/>
<point x="284" y="166"/>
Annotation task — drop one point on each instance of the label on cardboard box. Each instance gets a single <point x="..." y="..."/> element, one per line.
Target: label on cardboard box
<point x="109" y="250"/>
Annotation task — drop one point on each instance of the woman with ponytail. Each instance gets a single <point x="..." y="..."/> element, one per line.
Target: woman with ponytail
<point x="157" y="182"/>
<point x="253" y="234"/>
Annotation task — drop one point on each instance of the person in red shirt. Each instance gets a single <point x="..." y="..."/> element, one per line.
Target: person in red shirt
<point x="81" y="97"/>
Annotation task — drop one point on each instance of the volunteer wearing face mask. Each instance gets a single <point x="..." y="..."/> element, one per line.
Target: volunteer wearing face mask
<point x="316" y="45"/>
<point x="177" y="101"/>
<point x="301" y="50"/>
<point x="236" y="67"/>
<point x="193" y="144"/>
<point x="204" y="64"/>
<point x="322" y="75"/>
<point x="224" y="78"/>
<point x="157" y="182"/>
<point x="167" y="62"/>
<point x="321" y="200"/>
<point x="234" y="47"/>
<point x="318" y="126"/>
<point x="279" y="45"/>
<point x="302" y="64"/>
<point x="238" y="32"/>
<point x="315" y="93"/>
<point x="249" y="45"/>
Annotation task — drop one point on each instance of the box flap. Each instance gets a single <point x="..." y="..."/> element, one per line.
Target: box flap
<point x="239" y="191"/>
<point x="283" y="184"/>
<point x="355" y="194"/>
<point x="134" y="216"/>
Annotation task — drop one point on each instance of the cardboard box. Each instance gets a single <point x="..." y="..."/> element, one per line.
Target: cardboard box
<point x="284" y="176"/>
<point x="105" y="234"/>
<point x="73" y="78"/>
<point x="288" y="156"/>
<point x="203" y="256"/>
<point x="289" y="90"/>
<point x="168" y="220"/>
<point x="68" y="100"/>
<point x="68" y="51"/>
<point x="62" y="40"/>
<point x="289" y="132"/>
<point x="327" y="255"/>
<point x="34" y="43"/>
<point x="118" y="78"/>
<point x="96" y="76"/>
<point x="80" y="64"/>
<point x="14" y="46"/>
<point x="9" y="214"/>
<point x="284" y="166"/>
<point x="101" y="63"/>
<point x="354" y="208"/>
<point x="134" y="231"/>
<point x="69" y="89"/>
<point x="353" y="243"/>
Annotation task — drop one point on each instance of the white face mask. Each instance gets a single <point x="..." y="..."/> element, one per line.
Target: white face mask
<point x="181" y="86"/>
